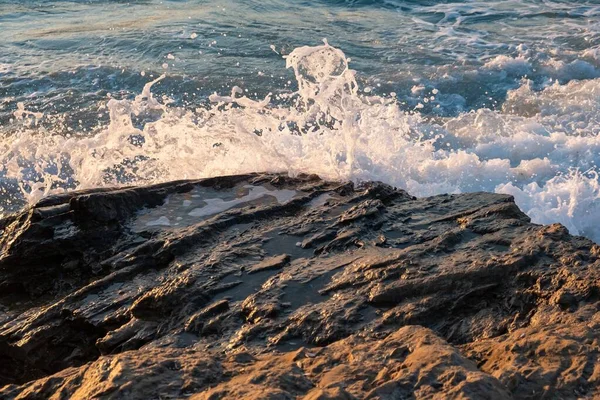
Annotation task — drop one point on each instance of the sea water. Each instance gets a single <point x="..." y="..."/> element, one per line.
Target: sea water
<point x="430" y="96"/>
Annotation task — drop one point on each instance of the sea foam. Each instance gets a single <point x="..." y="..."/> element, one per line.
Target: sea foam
<point x="542" y="146"/>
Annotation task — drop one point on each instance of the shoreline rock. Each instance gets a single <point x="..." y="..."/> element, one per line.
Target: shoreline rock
<point x="265" y="286"/>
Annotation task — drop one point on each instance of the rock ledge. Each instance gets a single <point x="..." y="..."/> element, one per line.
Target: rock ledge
<point x="270" y="287"/>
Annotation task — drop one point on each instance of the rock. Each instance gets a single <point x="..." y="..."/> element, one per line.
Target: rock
<point x="270" y="263"/>
<point x="266" y="286"/>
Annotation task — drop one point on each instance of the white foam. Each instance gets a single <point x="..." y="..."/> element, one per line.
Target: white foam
<point x="572" y="200"/>
<point x="535" y="148"/>
<point x="22" y="113"/>
<point x="511" y="65"/>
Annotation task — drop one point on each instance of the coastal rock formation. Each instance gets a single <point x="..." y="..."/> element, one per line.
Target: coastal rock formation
<point x="270" y="287"/>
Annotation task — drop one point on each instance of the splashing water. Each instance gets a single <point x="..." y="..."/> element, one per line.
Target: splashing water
<point x="542" y="146"/>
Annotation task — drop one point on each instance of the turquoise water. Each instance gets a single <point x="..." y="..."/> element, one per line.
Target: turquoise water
<point x="451" y="96"/>
<point x="57" y="54"/>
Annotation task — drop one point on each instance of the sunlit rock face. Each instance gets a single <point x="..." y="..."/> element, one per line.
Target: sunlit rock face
<point x="266" y="286"/>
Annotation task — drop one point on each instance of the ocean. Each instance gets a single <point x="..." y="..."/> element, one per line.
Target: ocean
<point x="429" y="96"/>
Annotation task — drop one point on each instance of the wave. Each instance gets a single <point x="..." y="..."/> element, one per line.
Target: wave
<point x="542" y="146"/>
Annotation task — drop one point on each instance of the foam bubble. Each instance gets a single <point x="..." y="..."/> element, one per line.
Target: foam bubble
<point x="511" y="65"/>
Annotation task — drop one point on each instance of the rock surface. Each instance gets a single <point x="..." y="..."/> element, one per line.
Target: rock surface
<point x="269" y="287"/>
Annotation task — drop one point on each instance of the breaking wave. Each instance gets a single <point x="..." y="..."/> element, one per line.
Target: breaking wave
<point x="542" y="146"/>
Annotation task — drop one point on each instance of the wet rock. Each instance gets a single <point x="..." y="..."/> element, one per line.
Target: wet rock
<point x="271" y="263"/>
<point x="265" y="286"/>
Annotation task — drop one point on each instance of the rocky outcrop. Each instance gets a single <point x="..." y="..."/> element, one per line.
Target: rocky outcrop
<point x="269" y="287"/>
